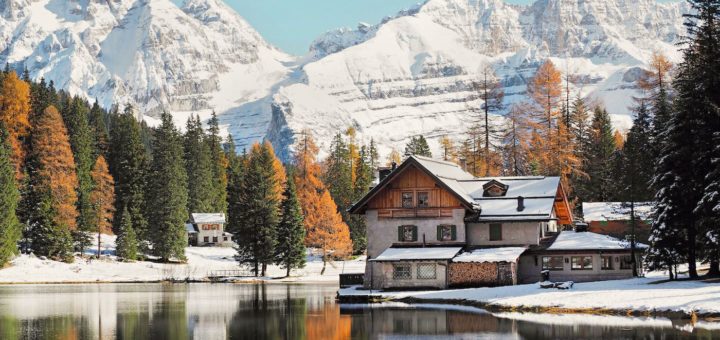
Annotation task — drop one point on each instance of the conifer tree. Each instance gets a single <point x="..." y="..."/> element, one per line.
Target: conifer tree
<point x="219" y="164"/>
<point x="14" y="113"/>
<point x="102" y="198"/>
<point x="515" y="148"/>
<point x="448" y="149"/>
<point x="98" y="125"/>
<point x="167" y="193"/>
<point x="54" y="184"/>
<point x="338" y="176"/>
<point x="199" y="168"/>
<point x="290" y="248"/>
<point x="127" y="246"/>
<point x="598" y="185"/>
<point x="638" y="162"/>
<point x="418" y="146"/>
<point x="363" y="180"/>
<point x="10" y="230"/>
<point x="260" y="210"/>
<point x="75" y="115"/>
<point x="237" y="205"/>
<point x="129" y="167"/>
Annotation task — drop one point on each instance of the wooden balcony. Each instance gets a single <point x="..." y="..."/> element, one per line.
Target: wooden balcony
<point x="415" y="212"/>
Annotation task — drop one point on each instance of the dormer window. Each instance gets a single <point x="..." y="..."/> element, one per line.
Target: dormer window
<point x="494" y="188"/>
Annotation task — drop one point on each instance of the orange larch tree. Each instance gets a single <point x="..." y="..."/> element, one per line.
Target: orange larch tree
<point x="15" y="114"/>
<point x="102" y="197"/>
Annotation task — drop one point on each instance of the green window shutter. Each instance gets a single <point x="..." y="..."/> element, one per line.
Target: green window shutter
<point x="454" y="232"/>
<point x="414" y="233"/>
<point x="439" y="232"/>
<point x="495" y="232"/>
<point x="400" y="233"/>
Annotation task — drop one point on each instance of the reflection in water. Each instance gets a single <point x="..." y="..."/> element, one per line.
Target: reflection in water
<point x="275" y="311"/>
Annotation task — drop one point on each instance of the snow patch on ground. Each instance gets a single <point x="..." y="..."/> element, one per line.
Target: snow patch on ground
<point x="202" y="261"/>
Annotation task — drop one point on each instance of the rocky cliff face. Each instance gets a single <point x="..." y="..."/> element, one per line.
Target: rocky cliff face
<point x="408" y="75"/>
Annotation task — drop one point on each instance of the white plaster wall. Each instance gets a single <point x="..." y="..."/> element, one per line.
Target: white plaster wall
<point x="383" y="232"/>
<point x="521" y="233"/>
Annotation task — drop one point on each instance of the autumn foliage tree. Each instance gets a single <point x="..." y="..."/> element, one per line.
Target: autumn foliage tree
<point x="102" y="197"/>
<point x="15" y="115"/>
<point x="324" y="227"/>
<point x="54" y="184"/>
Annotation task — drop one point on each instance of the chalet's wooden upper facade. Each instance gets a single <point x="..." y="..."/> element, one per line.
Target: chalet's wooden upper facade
<point x="426" y="188"/>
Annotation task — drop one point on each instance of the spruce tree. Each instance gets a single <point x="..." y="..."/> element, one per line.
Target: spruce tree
<point x="199" y="168"/>
<point x="418" y="146"/>
<point x="363" y="180"/>
<point x="75" y="116"/>
<point x="99" y="126"/>
<point x="167" y="196"/>
<point x="290" y="248"/>
<point x="259" y="211"/>
<point x="598" y="186"/>
<point x="127" y="245"/>
<point x="10" y="229"/>
<point x="219" y="164"/>
<point x="129" y="167"/>
<point x="338" y="176"/>
<point x="638" y="159"/>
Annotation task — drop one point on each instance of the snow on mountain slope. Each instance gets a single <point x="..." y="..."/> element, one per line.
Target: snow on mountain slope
<point x="411" y="74"/>
<point x="408" y="75"/>
<point x="150" y="53"/>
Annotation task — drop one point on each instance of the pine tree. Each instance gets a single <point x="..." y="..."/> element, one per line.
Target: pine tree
<point x="99" y="126"/>
<point x="129" y="167"/>
<point x="14" y="114"/>
<point x="75" y="115"/>
<point x="638" y="162"/>
<point x="127" y="246"/>
<point x="167" y="193"/>
<point x="598" y="186"/>
<point x="237" y="205"/>
<point x="515" y="148"/>
<point x="199" y="168"/>
<point x="418" y="146"/>
<point x="290" y="248"/>
<point x="10" y="229"/>
<point x="54" y="184"/>
<point x="219" y="164"/>
<point x="258" y="190"/>
<point x="338" y="176"/>
<point x="363" y="181"/>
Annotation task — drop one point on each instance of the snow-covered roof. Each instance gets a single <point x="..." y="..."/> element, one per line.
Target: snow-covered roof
<point x="190" y="228"/>
<point x="208" y="218"/>
<point x="615" y="211"/>
<point x="429" y="253"/>
<point x="503" y="254"/>
<point x="571" y="240"/>
<point x="450" y="174"/>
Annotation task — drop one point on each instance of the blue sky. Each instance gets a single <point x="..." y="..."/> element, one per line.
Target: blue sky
<point x="292" y="25"/>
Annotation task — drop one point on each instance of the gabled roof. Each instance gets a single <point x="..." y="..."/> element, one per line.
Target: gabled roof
<point x="615" y="211"/>
<point x="218" y="218"/>
<point x="502" y="254"/>
<point x="444" y="173"/>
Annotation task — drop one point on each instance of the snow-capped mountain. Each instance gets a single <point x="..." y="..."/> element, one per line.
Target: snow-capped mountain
<point x="407" y="75"/>
<point x="150" y="53"/>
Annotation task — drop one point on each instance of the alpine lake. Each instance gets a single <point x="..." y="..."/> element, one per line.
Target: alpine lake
<point x="289" y="311"/>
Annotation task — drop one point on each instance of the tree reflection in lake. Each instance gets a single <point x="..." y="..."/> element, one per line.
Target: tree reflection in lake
<point x="278" y="311"/>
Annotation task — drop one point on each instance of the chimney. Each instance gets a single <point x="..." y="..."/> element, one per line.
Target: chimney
<point x="394" y="166"/>
<point x="382" y="173"/>
<point x="521" y="203"/>
<point x="463" y="163"/>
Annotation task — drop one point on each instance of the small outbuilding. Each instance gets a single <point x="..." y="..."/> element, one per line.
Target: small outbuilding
<point x="581" y="256"/>
<point x="485" y="267"/>
<point x="613" y="218"/>
<point x="412" y="268"/>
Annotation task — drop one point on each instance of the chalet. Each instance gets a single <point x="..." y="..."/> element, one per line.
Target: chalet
<point x="430" y="224"/>
<point x="613" y="218"/>
<point x="207" y="230"/>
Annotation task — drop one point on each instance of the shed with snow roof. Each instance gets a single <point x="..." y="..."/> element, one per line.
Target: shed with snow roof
<point x="413" y="267"/>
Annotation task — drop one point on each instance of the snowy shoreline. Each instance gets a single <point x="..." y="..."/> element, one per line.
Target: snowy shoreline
<point x="640" y="296"/>
<point x="201" y="263"/>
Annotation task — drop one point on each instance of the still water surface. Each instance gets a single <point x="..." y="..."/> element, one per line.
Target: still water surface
<point x="278" y="311"/>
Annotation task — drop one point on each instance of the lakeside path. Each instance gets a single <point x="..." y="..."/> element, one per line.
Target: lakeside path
<point x="201" y="262"/>
<point x="632" y="296"/>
